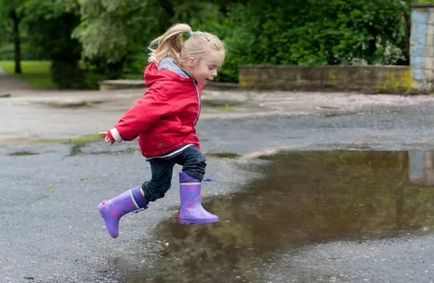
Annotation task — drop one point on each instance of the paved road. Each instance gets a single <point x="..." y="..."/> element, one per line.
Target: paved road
<point x="49" y="190"/>
<point x="35" y="116"/>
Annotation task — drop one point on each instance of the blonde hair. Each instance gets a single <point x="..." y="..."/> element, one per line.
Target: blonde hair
<point x="171" y="44"/>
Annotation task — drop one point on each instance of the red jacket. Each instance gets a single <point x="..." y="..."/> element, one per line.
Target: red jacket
<point x="165" y="118"/>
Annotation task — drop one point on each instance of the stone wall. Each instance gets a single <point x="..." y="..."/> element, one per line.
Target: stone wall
<point x="367" y="79"/>
<point x="422" y="47"/>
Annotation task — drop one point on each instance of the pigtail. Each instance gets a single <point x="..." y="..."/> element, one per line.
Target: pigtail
<point x="169" y="44"/>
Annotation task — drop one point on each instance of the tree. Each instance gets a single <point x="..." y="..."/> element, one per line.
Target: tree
<point x="114" y="32"/>
<point x="13" y="10"/>
<point x="50" y="25"/>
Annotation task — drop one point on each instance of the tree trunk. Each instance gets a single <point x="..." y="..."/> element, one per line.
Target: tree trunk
<point x="407" y="23"/>
<point x="17" y="42"/>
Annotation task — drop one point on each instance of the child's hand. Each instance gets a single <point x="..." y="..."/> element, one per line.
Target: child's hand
<point x="108" y="138"/>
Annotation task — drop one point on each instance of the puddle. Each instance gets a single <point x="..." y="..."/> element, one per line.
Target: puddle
<point x="301" y="198"/>
<point x="70" y="104"/>
<point x="337" y="114"/>
<point x="23" y="153"/>
<point x="78" y="149"/>
<point x="224" y="155"/>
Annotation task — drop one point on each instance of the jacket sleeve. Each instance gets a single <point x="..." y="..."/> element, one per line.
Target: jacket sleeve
<point x="147" y="111"/>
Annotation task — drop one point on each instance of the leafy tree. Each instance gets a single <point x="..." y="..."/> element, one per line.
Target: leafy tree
<point x="50" y="25"/>
<point x="115" y="32"/>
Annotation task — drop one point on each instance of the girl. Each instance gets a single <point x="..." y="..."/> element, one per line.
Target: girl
<point x="165" y="120"/>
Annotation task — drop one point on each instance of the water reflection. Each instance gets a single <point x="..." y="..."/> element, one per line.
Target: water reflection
<point x="301" y="198"/>
<point x="421" y="166"/>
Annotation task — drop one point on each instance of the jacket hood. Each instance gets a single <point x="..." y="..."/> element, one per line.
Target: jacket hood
<point x="167" y="70"/>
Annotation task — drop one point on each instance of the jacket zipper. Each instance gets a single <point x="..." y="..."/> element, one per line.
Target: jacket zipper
<point x="199" y="105"/>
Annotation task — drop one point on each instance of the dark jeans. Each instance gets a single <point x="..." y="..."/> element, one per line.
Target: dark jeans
<point x="193" y="163"/>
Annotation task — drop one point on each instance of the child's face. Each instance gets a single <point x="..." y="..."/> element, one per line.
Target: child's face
<point x="205" y="68"/>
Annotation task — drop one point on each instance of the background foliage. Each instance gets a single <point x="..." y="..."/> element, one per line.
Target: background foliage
<point x="88" y="40"/>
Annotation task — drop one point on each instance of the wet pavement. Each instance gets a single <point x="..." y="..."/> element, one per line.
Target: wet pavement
<point x="310" y="188"/>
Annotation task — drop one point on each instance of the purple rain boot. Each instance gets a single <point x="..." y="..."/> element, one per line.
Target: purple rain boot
<point x="112" y="210"/>
<point x="192" y="211"/>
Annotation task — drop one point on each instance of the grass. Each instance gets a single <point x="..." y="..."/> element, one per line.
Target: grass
<point x="36" y="73"/>
<point x="22" y="153"/>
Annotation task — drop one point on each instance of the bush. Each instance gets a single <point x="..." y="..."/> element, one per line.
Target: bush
<point x="92" y="79"/>
<point x="312" y="33"/>
<point x="67" y="75"/>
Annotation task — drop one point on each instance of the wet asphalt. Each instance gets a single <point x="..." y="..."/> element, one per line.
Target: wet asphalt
<point x="51" y="231"/>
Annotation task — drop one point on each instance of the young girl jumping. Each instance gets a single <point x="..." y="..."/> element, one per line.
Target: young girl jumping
<point x="164" y="120"/>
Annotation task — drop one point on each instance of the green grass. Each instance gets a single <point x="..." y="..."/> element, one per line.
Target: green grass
<point x="36" y="73"/>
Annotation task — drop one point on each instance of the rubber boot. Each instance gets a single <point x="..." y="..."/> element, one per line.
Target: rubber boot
<point x="112" y="210"/>
<point x="192" y="211"/>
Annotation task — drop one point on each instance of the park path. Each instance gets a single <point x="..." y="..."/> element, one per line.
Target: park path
<point x="10" y="84"/>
